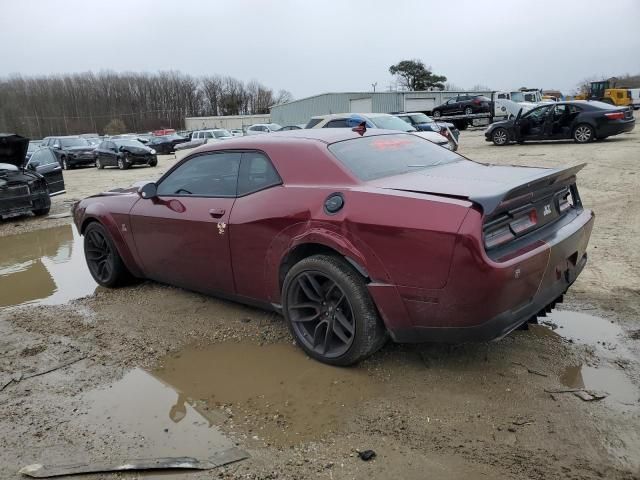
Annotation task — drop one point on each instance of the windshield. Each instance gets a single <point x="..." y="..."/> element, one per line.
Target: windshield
<point x="386" y="155"/>
<point x="392" y="123"/>
<point x="420" y="118"/>
<point x="129" y="143"/>
<point x="222" y="133"/>
<point x="33" y="146"/>
<point x="73" y="142"/>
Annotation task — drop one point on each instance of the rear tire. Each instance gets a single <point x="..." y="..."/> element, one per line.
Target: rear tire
<point x="468" y="111"/>
<point x="330" y="312"/>
<point x="102" y="257"/>
<point x="583" y="133"/>
<point x="437" y="114"/>
<point x="500" y="137"/>
<point x="99" y="164"/>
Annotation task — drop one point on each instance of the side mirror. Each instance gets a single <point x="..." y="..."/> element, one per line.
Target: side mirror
<point x="148" y="191"/>
<point x="33" y="165"/>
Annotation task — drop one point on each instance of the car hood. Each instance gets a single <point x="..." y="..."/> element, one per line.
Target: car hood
<point x="136" y="150"/>
<point x="486" y="185"/>
<point x="86" y="148"/>
<point x="13" y="149"/>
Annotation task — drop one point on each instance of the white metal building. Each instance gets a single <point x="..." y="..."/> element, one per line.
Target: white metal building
<point x="299" y="111"/>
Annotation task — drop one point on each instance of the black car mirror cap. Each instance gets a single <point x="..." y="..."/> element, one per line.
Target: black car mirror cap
<point x="148" y="191"/>
<point x="33" y="165"/>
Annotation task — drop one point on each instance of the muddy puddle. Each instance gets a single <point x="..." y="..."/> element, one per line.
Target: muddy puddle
<point x="43" y="267"/>
<point x="606" y="340"/>
<point x="272" y="394"/>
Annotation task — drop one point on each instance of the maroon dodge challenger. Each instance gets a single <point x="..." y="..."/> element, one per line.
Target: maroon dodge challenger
<point x="353" y="236"/>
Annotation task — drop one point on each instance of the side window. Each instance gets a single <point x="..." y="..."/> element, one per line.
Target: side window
<point x="209" y="175"/>
<point x="36" y="157"/>
<point x="313" y="122"/>
<point x="48" y="157"/>
<point x="574" y="109"/>
<point x="256" y="173"/>
<point x="339" y="123"/>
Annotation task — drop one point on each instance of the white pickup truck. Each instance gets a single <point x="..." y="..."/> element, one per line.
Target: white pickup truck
<point x="200" y="137"/>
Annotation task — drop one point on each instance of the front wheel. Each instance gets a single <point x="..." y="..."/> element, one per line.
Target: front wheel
<point x="65" y="164"/>
<point x="500" y="137"/>
<point x="99" y="164"/>
<point x="330" y="312"/>
<point x="583" y="133"/>
<point x="104" y="261"/>
<point x="122" y="164"/>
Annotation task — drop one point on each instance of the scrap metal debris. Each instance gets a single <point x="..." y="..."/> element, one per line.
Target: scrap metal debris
<point x="225" y="457"/>
<point x="19" y="376"/>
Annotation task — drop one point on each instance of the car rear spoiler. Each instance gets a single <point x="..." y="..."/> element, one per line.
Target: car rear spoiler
<point x="502" y="201"/>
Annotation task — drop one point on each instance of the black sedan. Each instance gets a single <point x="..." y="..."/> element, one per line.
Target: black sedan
<point x="580" y="120"/>
<point x="166" y="144"/>
<point x="463" y="105"/>
<point x="21" y="191"/>
<point x="124" y="153"/>
<point x="45" y="162"/>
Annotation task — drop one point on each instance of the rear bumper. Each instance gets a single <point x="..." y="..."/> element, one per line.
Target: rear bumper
<point x="488" y="304"/>
<point x="616" y="128"/>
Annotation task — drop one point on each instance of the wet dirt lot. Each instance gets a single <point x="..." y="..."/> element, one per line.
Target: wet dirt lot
<point x="158" y="371"/>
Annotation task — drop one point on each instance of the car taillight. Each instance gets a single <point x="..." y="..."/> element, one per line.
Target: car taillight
<point x="524" y="222"/>
<point x="497" y="237"/>
<point x="614" y="115"/>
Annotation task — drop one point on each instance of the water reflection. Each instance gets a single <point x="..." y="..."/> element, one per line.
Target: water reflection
<point x="44" y="267"/>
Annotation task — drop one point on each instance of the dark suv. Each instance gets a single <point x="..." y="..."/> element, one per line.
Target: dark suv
<point x="463" y="105"/>
<point x="71" y="151"/>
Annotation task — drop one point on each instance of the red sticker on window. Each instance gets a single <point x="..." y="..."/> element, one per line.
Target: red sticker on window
<point x="390" y="144"/>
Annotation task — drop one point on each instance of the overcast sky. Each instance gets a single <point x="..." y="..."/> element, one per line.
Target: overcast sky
<point x="310" y="47"/>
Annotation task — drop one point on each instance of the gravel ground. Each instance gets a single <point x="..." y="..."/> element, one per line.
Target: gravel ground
<point x="475" y="411"/>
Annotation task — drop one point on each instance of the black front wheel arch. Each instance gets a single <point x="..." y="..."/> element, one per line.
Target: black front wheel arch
<point x="330" y="312"/>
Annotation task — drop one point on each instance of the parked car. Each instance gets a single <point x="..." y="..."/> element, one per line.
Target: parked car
<point x="581" y="120"/>
<point x="377" y="120"/>
<point x="124" y="153"/>
<point x="424" y="123"/>
<point x="166" y="144"/>
<point x="22" y="191"/>
<point x="354" y="236"/>
<point x="45" y="162"/>
<point x="463" y="105"/>
<point x="260" y="128"/>
<point x="71" y="151"/>
<point x="200" y="137"/>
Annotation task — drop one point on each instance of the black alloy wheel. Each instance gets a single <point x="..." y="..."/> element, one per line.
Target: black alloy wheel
<point x="321" y="314"/>
<point x="330" y="312"/>
<point x="104" y="262"/>
<point x="468" y="111"/>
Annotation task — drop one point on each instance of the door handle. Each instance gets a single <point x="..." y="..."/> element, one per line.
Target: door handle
<point x="217" y="212"/>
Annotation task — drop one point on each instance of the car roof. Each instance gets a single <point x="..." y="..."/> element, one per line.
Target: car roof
<point x="322" y="135"/>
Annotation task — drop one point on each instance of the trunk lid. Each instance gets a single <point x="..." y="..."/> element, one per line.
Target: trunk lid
<point x="13" y="149"/>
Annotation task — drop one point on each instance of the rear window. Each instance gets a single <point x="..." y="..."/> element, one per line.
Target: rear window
<point x="313" y="122"/>
<point x="380" y="156"/>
